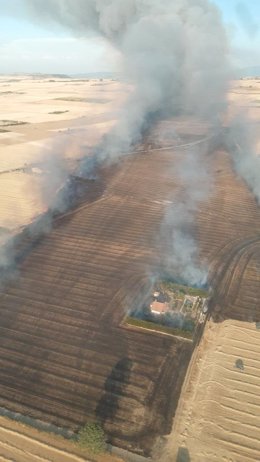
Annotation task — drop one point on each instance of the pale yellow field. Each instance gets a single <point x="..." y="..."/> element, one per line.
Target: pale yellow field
<point x="218" y="417"/>
<point x="244" y="99"/>
<point x="46" y="118"/>
<point x="20" y="443"/>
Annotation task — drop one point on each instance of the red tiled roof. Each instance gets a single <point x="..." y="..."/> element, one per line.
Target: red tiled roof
<point x="159" y="307"/>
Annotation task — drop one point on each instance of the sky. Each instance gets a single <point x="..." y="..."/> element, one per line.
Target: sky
<point x="242" y="20"/>
<point x="27" y="47"/>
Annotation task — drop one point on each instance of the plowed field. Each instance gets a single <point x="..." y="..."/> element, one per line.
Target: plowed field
<point x="64" y="358"/>
<point x="218" y="414"/>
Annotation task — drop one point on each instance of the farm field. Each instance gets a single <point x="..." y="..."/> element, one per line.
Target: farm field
<point x="25" y="444"/>
<point x="64" y="358"/>
<point x="22" y="446"/>
<point x="43" y="116"/>
<point x="60" y="335"/>
<point x="218" y="413"/>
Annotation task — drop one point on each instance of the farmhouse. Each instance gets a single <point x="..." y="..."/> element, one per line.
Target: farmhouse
<point x="159" y="308"/>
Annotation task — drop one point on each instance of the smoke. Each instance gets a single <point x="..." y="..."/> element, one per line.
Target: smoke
<point x="8" y="268"/>
<point x="174" y="53"/>
<point x="241" y="143"/>
<point x="182" y="257"/>
<point x="54" y="176"/>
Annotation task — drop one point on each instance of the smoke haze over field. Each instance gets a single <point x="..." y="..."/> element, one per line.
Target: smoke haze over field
<point x="174" y="52"/>
<point x="241" y="142"/>
<point x="182" y="258"/>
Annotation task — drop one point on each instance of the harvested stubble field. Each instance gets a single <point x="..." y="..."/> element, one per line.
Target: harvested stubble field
<point x="63" y="356"/>
<point x="41" y="115"/>
<point x="218" y="413"/>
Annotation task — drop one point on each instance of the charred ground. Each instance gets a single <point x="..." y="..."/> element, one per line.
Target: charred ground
<point x="64" y="357"/>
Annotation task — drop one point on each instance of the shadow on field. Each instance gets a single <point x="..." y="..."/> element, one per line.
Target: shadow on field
<point x="114" y="388"/>
<point x="183" y="455"/>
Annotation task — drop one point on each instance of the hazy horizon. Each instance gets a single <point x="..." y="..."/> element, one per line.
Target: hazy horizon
<point x="31" y="48"/>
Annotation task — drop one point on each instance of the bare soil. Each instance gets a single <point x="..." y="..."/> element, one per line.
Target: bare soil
<point x="64" y="358"/>
<point x="218" y="413"/>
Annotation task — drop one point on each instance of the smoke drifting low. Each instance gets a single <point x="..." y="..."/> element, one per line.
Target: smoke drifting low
<point x="6" y="254"/>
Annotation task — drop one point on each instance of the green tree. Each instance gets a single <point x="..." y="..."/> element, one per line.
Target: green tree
<point x="92" y="437"/>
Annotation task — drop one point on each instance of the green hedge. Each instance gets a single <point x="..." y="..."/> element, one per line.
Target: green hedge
<point x="193" y="291"/>
<point x="157" y="327"/>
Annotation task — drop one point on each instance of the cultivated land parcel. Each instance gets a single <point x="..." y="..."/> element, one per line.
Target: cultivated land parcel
<point x="64" y="357"/>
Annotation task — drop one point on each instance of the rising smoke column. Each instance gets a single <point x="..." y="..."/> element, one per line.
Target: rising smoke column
<point x="181" y="259"/>
<point x="173" y="51"/>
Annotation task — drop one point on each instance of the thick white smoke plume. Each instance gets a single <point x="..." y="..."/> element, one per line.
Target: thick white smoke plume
<point x="173" y="51"/>
<point x="182" y="257"/>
